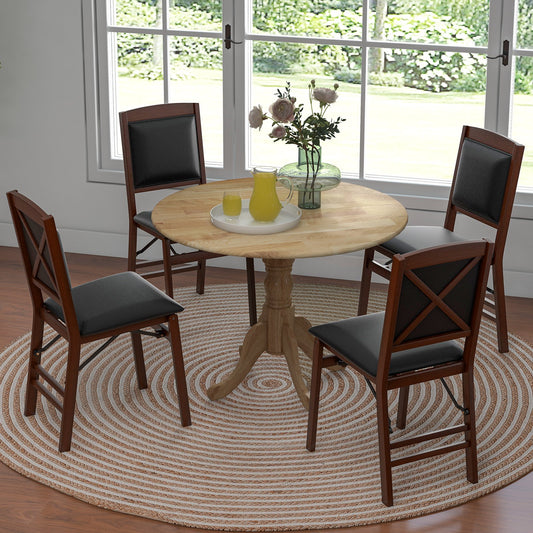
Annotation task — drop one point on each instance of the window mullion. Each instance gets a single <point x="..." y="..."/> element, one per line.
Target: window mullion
<point x="506" y="85"/>
<point x="498" y="76"/>
<point x="364" y="91"/>
<point x="241" y="56"/>
<point x="166" y="57"/>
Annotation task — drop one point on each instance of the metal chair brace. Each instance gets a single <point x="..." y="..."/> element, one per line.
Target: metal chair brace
<point x="452" y="397"/>
<point x="39" y="351"/>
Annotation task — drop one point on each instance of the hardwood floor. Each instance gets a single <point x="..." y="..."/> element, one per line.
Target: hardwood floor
<point x="27" y="506"/>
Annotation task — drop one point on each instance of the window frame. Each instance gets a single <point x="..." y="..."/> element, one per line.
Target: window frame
<point x="424" y="196"/>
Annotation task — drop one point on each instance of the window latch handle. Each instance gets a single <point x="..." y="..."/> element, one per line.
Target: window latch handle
<point x="504" y="55"/>
<point x="227" y="37"/>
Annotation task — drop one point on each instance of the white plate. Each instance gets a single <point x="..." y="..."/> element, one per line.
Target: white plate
<point x="288" y="218"/>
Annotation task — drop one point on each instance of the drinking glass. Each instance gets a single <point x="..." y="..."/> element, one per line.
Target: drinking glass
<point x="231" y="204"/>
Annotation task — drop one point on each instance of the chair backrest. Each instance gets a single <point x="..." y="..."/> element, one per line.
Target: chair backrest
<point x="162" y="147"/>
<point x="485" y="180"/>
<point x="43" y="258"/>
<point x="436" y="295"/>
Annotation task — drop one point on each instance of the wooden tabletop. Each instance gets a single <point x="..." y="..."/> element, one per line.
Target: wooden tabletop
<point x="351" y="218"/>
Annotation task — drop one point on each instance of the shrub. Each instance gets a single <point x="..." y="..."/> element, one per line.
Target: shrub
<point x="348" y="75"/>
<point x="430" y="70"/>
<point x="384" y="79"/>
<point x="140" y="55"/>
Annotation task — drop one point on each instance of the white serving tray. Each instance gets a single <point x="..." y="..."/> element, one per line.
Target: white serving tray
<point x="288" y="218"/>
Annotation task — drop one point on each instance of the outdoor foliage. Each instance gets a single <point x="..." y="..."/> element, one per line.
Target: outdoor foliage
<point x="431" y="70"/>
<point x="140" y="55"/>
<point x="424" y="21"/>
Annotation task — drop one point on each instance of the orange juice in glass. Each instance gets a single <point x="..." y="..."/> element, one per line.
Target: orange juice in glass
<point x="231" y="204"/>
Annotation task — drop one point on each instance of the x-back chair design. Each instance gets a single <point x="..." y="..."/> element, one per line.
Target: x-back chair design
<point x="435" y="298"/>
<point x="483" y="188"/>
<point x="100" y="309"/>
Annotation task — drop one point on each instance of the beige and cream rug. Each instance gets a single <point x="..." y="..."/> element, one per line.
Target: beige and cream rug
<point x="242" y="465"/>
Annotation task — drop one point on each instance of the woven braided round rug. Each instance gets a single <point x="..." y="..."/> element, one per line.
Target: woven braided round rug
<point x="242" y="465"/>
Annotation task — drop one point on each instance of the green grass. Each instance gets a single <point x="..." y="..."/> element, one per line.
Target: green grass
<point x="410" y="134"/>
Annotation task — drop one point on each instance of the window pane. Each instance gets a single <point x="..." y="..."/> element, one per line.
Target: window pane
<point x="139" y="70"/>
<point x="413" y="133"/>
<point x="522" y="116"/>
<point x="524" y="38"/>
<point x="430" y="21"/>
<point x="135" y="13"/>
<point x="137" y="76"/>
<point x="277" y="63"/>
<point x="306" y="17"/>
<point x="204" y="15"/>
<point x="196" y="76"/>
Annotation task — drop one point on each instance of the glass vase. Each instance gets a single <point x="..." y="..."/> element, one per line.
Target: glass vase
<point x="310" y="176"/>
<point x="310" y="198"/>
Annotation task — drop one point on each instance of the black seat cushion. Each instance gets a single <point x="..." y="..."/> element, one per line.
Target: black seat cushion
<point x="420" y="237"/>
<point x="116" y="301"/>
<point x="359" y="339"/>
<point x="144" y="219"/>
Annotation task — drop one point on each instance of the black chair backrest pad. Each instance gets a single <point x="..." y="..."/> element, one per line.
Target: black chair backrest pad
<point x="481" y="179"/>
<point x="437" y="277"/>
<point x="164" y="151"/>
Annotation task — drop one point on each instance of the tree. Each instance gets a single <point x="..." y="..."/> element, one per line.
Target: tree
<point x="376" y="59"/>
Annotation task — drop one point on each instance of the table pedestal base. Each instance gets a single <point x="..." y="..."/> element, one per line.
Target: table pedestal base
<point x="278" y="332"/>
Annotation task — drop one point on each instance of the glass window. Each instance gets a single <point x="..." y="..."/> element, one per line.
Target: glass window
<point x="522" y="107"/>
<point x="409" y="75"/>
<point x="460" y="22"/>
<point x="305" y="17"/>
<point x="412" y="133"/>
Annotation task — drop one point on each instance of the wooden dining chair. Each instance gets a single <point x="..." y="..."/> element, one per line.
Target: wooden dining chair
<point x="483" y="188"/>
<point x="162" y="149"/>
<point x="435" y="297"/>
<point x="100" y="309"/>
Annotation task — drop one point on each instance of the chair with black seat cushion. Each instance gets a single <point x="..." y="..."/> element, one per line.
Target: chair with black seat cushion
<point x="483" y="188"/>
<point x="435" y="298"/>
<point x="162" y="149"/>
<point x="100" y="309"/>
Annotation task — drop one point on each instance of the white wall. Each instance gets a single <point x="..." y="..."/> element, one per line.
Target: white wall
<point x="43" y="155"/>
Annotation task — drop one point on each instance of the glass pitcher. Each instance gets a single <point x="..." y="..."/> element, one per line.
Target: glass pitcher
<point x="264" y="203"/>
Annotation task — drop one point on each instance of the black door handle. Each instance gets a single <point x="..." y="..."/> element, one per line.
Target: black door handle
<point x="504" y="55"/>
<point x="227" y="37"/>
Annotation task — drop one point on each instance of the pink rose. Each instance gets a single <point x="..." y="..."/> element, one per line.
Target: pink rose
<point x="282" y="110"/>
<point x="325" y="96"/>
<point x="278" y="132"/>
<point x="256" y="117"/>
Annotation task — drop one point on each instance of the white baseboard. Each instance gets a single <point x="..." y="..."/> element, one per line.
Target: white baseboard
<point x="346" y="266"/>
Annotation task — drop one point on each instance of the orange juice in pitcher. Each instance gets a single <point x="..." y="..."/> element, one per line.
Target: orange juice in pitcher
<point x="264" y="203"/>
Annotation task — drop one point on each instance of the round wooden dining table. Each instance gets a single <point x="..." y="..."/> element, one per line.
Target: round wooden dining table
<point x="351" y="218"/>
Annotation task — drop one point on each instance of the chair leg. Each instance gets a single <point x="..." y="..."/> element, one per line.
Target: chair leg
<point x="138" y="356"/>
<point x="366" y="277"/>
<point x="179" y="370"/>
<point x="252" y="300"/>
<point x="132" y="248"/>
<point x="69" y="398"/>
<point x="470" y="422"/>
<point x="35" y="359"/>
<point x="200" y="276"/>
<point x="167" y="268"/>
<point x="384" y="445"/>
<point x="500" y="310"/>
<point x="403" y="400"/>
<point x="314" y="394"/>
